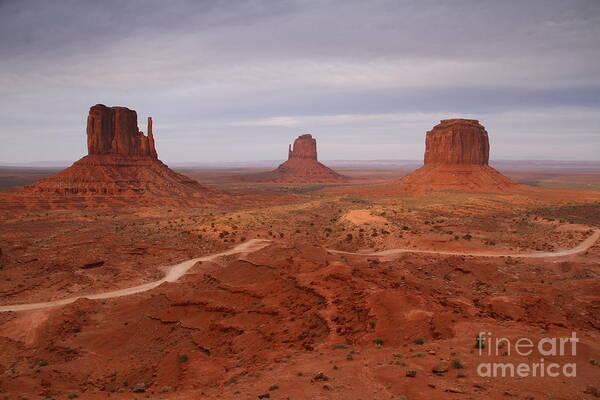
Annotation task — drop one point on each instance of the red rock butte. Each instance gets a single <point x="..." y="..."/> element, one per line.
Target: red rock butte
<point x="114" y="130"/>
<point x="301" y="166"/>
<point x="456" y="158"/>
<point x="121" y="168"/>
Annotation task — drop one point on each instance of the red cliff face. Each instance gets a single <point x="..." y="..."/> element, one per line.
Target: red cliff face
<point x="114" y="130"/>
<point x="305" y="147"/>
<point x="457" y="141"/>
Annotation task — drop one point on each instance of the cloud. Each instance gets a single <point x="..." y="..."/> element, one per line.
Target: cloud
<point x="225" y="71"/>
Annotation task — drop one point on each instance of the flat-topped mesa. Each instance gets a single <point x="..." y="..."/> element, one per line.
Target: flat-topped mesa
<point x="114" y="130"/>
<point x="456" y="158"/>
<point x="305" y="147"/>
<point x="457" y="141"/>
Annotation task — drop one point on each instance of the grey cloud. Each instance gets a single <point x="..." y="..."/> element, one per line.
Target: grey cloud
<point x="202" y="68"/>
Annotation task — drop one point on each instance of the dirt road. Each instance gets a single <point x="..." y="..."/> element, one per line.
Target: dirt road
<point x="176" y="271"/>
<point x="582" y="247"/>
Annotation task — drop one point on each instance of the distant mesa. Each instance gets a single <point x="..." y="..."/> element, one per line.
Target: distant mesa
<point x="456" y="158"/>
<point x="122" y="166"/>
<point x="301" y="167"/>
<point x="305" y="147"/>
<point x="457" y="141"/>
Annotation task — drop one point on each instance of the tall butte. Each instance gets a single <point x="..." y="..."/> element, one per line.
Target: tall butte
<point x="114" y="130"/>
<point x="301" y="166"/>
<point x="457" y="158"/>
<point x="122" y="167"/>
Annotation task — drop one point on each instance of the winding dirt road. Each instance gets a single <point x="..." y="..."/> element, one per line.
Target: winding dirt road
<point x="176" y="271"/>
<point x="581" y="248"/>
<point x="173" y="274"/>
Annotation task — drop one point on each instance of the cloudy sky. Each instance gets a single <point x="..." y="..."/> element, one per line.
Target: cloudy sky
<point x="238" y="80"/>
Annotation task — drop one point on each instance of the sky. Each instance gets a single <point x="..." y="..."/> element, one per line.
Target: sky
<point x="239" y="80"/>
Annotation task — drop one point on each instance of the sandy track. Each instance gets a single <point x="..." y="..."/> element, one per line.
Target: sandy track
<point x="582" y="247"/>
<point x="174" y="272"/>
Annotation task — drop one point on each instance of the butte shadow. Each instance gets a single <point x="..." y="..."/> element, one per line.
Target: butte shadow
<point x="301" y="167"/>
<point x="121" y="168"/>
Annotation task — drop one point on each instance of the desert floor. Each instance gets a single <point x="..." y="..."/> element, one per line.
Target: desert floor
<point x="302" y="296"/>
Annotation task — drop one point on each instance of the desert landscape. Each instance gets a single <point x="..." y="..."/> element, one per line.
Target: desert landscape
<point x="433" y="231"/>
<point x="365" y="288"/>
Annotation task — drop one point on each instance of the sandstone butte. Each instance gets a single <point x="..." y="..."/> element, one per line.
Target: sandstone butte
<point x="121" y="168"/>
<point x="301" y="166"/>
<point x="457" y="158"/>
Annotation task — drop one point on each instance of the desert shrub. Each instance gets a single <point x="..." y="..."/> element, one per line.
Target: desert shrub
<point x="340" y="346"/>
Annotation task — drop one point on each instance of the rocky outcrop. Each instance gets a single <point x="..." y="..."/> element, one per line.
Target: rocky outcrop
<point x="457" y="141"/>
<point x="114" y="130"/>
<point x="305" y="147"/>
<point x="121" y="168"/>
<point x="456" y="158"/>
<point x="302" y="166"/>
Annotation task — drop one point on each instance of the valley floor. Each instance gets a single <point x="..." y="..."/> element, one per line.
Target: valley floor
<point x="348" y="292"/>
